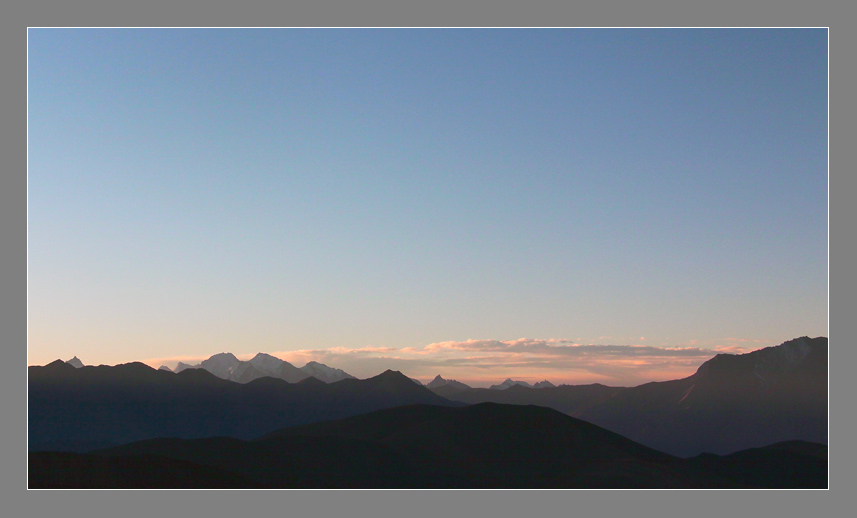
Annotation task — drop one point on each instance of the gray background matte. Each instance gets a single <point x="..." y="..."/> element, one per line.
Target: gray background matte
<point x="17" y="501"/>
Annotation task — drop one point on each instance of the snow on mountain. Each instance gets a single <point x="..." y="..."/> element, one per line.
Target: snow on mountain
<point x="266" y="363"/>
<point x="287" y="371"/>
<point x="75" y="362"/>
<point x="245" y="372"/>
<point x="221" y="365"/>
<point x="229" y="367"/>
<point x="510" y="383"/>
<point x="325" y="373"/>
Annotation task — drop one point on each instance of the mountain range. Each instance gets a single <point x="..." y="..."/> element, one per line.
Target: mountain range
<point x="511" y="383"/>
<point x="79" y="409"/>
<point x="732" y="402"/>
<point x="227" y="366"/>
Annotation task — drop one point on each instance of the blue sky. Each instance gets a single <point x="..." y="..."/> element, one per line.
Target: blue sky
<point x="199" y="191"/>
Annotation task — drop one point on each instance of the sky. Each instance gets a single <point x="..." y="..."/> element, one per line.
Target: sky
<point x="577" y="205"/>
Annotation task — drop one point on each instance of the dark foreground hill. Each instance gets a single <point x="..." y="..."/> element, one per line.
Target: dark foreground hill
<point x="425" y="446"/>
<point x="732" y="403"/>
<point x="80" y="409"/>
<point x="573" y="400"/>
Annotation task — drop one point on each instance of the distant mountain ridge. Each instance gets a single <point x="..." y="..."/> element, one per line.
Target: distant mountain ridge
<point x="79" y="409"/>
<point x="325" y="373"/>
<point x="511" y="383"/>
<point x="438" y="381"/>
<point x="227" y="366"/>
<point x="732" y="402"/>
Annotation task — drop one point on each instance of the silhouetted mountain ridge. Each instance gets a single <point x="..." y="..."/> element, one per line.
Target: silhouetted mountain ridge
<point x="732" y="402"/>
<point x="79" y="409"/>
<point x="425" y="446"/>
<point x="439" y="381"/>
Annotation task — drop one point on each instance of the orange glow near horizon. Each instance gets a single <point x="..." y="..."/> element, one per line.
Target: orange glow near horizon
<point x="481" y="363"/>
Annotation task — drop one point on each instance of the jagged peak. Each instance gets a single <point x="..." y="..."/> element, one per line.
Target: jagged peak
<point x="265" y="356"/>
<point x="223" y="356"/>
<point x="789" y="354"/>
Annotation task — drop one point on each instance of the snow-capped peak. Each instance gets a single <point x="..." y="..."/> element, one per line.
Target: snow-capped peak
<point x="221" y="364"/>
<point x="265" y="362"/>
<point x="75" y="362"/>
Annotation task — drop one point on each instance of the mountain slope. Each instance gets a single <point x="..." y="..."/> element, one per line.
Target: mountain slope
<point x="439" y="381"/>
<point x="325" y="373"/>
<point x="75" y="362"/>
<point x="732" y="402"/>
<point x="568" y="399"/>
<point x="288" y="372"/>
<point x="429" y="446"/>
<point x="426" y="446"/>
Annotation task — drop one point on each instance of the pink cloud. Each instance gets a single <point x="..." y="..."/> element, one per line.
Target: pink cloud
<point x="560" y="360"/>
<point x="361" y="350"/>
<point x="482" y="362"/>
<point x="732" y="349"/>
